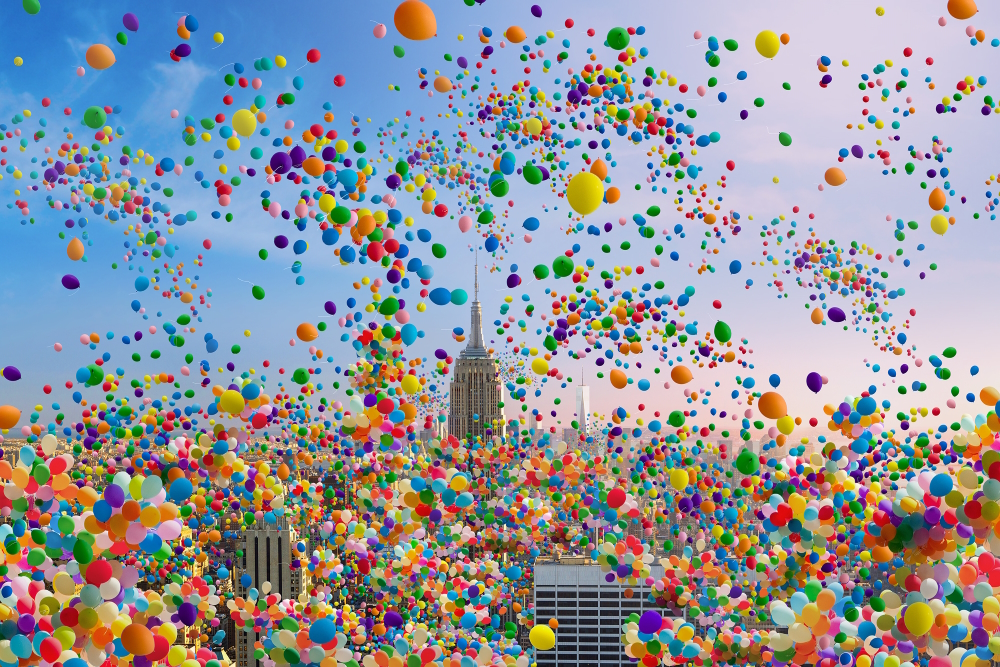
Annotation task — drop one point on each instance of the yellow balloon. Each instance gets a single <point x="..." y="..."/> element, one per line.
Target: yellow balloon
<point x="585" y="192"/>
<point x="918" y="618"/>
<point x="410" y="384"/>
<point x="534" y="127"/>
<point x="542" y="637"/>
<point x="218" y="38"/>
<point x="232" y="402"/>
<point x="244" y="122"/>
<point x="767" y="43"/>
<point x="939" y="224"/>
<point x="679" y="478"/>
<point x="18" y="61"/>
<point x="540" y="366"/>
<point x="786" y="425"/>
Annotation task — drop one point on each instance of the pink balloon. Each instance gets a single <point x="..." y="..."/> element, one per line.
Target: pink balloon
<point x="274" y="209"/>
<point x="701" y="91"/>
<point x="402" y="316"/>
<point x="379" y="31"/>
<point x="527" y="238"/>
<point x="942" y="21"/>
<point x="58" y="347"/>
<point x="465" y="223"/>
<point x="84" y="339"/>
<point x="80" y="71"/>
<point x="697" y="34"/>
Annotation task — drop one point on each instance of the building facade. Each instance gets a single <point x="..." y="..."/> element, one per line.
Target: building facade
<point x="475" y="386"/>
<point x="583" y="408"/>
<point x="590" y="610"/>
<point x="267" y="556"/>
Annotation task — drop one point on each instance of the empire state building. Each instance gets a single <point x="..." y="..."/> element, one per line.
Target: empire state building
<point x="475" y="386"/>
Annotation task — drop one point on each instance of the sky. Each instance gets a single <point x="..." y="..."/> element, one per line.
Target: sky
<point x="950" y="303"/>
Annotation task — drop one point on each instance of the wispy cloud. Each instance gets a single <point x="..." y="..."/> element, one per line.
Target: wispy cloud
<point x="176" y="85"/>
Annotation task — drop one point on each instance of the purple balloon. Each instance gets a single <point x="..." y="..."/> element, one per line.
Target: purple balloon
<point x="280" y="162"/>
<point x="836" y="314"/>
<point x="187" y="613"/>
<point x="857" y="151"/>
<point x="114" y="495"/>
<point x="513" y="280"/>
<point x="392" y="619"/>
<point x="536" y="11"/>
<point x="131" y="22"/>
<point x="815" y="382"/>
<point x="12" y="374"/>
<point x="330" y="307"/>
<point x="297" y="155"/>
<point x="280" y="241"/>
<point x="650" y="622"/>
<point x="183" y="50"/>
<point x="70" y="282"/>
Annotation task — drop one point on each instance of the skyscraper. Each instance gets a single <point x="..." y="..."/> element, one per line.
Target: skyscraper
<point x="583" y="407"/>
<point x="475" y="385"/>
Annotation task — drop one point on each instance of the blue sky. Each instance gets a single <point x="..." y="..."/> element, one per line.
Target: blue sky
<point x="951" y="303"/>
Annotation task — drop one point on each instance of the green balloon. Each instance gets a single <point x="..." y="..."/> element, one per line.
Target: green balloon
<point x="402" y="168"/>
<point x="341" y="215"/>
<point x="94" y="118"/>
<point x="31" y="6"/>
<point x="653" y="211"/>
<point x="541" y="272"/>
<point x="785" y="138"/>
<point x="500" y="187"/>
<point x="747" y="462"/>
<point x="532" y="174"/>
<point x="439" y="250"/>
<point x="300" y="376"/>
<point x="722" y="332"/>
<point x="389" y="306"/>
<point x="562" y="266"/>
<point x="263" y="253"/>
<point x="485" y="218"/>
<point x="122" y="38"/>
<point x="731" y="45"/>
<point x="82" y="552"/>
<point x="398" y="51"/>
<point x="618" y="38"/>
<point x="258" y="292"/>
<point x="676" y="419"/>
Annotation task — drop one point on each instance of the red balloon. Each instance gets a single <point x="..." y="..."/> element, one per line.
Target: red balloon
<point x="207" y="243"/>
<point x="616" y="497"/>
<point x="717" y="304"/>
<point x="730" y="165"/>
<point x="313" y="55"/>
<point x="46" y="101"/>
<point x="98" y="572"/>
<point x="440" y="210"/>
<point x="569" y="23"/>
<point x="339" y="80"/>
<point x="258" y="421"/>
<point x="47" y="389"/>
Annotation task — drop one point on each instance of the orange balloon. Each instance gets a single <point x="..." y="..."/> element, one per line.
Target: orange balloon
<point x="366" y="225"/>
<point x="816" y="316"/>
<point x="618" y="379"/>
<point x="785" y="38"/>
<point x="772" y="405"/>
<point x="680" y="374"/>
<point x="415" y="20"/>
<point x="100" y="57"/>
<point x="75" y="249"/>
<point x="599" y="169"/>
<point x="834" y="176"/>
<point x="137" y="639"/>
<point x="962" y="9"/>
<point x="307" y="332"/>
<point x="937" y="199"/>
<point x="442" y="84"/>
<point x="9" y="416"/>
<point x="612" y="194"/>
<point x="313" y="166"/>
<point x="515" y="34"/>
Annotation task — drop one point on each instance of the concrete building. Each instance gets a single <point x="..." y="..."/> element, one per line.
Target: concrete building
<point x="267" y="557"/>
<point x="475" y="386"/>
<point x="590" y="610"/>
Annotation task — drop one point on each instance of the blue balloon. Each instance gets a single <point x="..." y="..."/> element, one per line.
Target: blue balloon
<point x="867" y="406"/>
<point x="136" y="305"/>
<point x="735" y="267"/>
<point x="82" y="374"/>
<point x="408" y="334"/>
<point x="211" y="345"/>
<point x="492" y="243"/>
<point x="748" y="383"/>
<point x="322" y="631"/>
<point x="246" y="581"/>
<point x="180" y="489"/>
<point x="348" y="254"/>
<point x="774" y="380"/>
<point x="300" y="246"/>
<point x="531" y="224"/>
<point x="298" y="82"/>
<point x="330" y="236"/>
<point x="141" y="284"/>
<point x="941" y="485"/>
<point x="439" y="297"/>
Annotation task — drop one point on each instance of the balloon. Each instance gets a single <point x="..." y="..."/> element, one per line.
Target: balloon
<point x="618" y="38"/>
<point x="735" y="267"/>
<point x="232" y="402"/>
<point x="939" y="224"/>
<point x="960" y="9"/>
<point x="772" y="405"/>
<point x="618" y="379"/>
<point x="31" y="6"/>
<point x="464" y="223"/>
<point x="442" y="84"/>
<point x="680" y="374"/>
<point x="584" y="193"/>
<point x="814" y="381"/>
<point x="834" y="176"/>
<point x="515" y="34"/>
<point x="307" y="332"/>
<point x="918" y="616"/>
<point x="774" y="380"/>
<point x="141" y="283"/>
<point x="75" y="249"/>
<point x="937" y="199"/>
<point x="11" y="374"/>
<point x="379" y="31"/>
<point x="836" y="314"/>
<point x="722" y="332"/>
<point x="415" y="20"/>
<point x="100" y="56"/>
<point x="784" y="139"/>
<point x="747" y="462"/>
<point x="767" y="43"/>
<point x="679" y="478"/>
<point x="9" y="416"/>
<point x="70" y="282"/>
<point x="542" y="637"/>
<point x="244" y="122"/>
<point x="137" y="639"/>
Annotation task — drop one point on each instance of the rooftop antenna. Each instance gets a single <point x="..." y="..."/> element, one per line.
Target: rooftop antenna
<point x="477" y="275"/>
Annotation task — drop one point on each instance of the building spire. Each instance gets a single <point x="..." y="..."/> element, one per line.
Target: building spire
<point x="476" y="346"/>
<point x="476" y="298"/>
